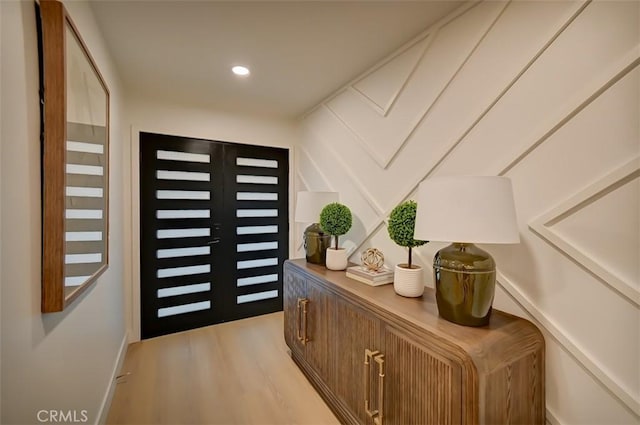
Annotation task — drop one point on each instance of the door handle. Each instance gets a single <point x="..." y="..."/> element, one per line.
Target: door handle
<point x="214" y="241"/>
<point x="378" y="358"/>
<point x="216" y="227"/>
<point x="215" y="234"/>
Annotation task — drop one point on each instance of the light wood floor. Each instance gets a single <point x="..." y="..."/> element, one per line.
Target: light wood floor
<point x="234" y="373"/>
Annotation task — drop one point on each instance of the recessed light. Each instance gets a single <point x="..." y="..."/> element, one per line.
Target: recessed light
<point x="240" y="70"/>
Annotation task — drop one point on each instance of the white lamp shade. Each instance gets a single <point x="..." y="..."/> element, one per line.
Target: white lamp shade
<point x="472" y="209"/>
<point x="309" y="205"/>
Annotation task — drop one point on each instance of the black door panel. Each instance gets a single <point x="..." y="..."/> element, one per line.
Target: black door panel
<point x="213" y="229"/>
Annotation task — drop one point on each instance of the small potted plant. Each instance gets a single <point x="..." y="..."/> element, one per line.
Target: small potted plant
<point x="408" y="277"/>
<point x="336" y="220"/>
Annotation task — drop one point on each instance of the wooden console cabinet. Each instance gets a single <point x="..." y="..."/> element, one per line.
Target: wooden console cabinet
<point x="378" y="358"/>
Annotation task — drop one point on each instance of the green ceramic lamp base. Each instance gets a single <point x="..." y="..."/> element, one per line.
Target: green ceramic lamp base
<point x="316" y="243"/>
<point x="465" y="279"/>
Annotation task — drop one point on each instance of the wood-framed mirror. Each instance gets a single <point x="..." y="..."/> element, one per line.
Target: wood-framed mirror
<point x="75" y="153"/>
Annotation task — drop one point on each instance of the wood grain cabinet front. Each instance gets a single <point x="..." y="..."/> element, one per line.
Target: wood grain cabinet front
<point x="380" y="359"/>
<point x="356" y="331"/>
<point x="306" y="319"/>
<point x="422" y="385"/>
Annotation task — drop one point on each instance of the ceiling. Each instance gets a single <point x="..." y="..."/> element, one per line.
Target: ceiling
<point x="299" y="52"/>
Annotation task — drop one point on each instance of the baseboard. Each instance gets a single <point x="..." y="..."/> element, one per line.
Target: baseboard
<point x="101" y="417"/>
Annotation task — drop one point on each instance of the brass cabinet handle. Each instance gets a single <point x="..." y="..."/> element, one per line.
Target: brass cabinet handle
<point x="305" y="338"/>
<point x="380" y="360"/>
<point x="301" y="315"/>
<point x="298" y="320"/>
<point x="368" y="356"/>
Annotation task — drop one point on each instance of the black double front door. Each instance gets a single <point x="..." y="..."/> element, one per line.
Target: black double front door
<point x="213" y="231"/>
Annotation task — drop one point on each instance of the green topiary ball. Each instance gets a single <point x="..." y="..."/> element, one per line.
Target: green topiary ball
<point x="335" y="219"/>
<point x="402" y="223"/>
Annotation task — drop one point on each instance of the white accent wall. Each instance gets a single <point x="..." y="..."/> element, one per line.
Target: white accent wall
<point x="59" y="361"/>
<point x="548" y="94"/>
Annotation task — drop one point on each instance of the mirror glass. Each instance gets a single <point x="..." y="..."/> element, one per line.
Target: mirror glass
<point x="85" y="169"/>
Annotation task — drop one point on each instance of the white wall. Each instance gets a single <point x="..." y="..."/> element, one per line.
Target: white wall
<point x="548" y="94"/>
<point x="148" y="115"/>
<point x="63" y="361"/>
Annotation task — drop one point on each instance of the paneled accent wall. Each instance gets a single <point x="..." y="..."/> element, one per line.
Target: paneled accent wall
<point x="548" y="94"/>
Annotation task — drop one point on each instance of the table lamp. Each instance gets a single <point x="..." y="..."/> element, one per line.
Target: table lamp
<point x="308" y="207"/>
<point x="465" y="210"/>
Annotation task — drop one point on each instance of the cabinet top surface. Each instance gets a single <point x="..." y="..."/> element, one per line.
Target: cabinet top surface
<point x="504" y="330"/>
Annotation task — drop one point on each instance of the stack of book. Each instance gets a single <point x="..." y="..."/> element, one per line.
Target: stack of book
<point x="370" y="277"/>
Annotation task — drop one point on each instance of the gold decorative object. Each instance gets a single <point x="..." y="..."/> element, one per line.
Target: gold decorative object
<point x="372" y="259"/>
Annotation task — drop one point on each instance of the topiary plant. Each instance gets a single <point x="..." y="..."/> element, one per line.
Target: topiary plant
<point x="402" y="223"/>
<point x="336" y="220"/>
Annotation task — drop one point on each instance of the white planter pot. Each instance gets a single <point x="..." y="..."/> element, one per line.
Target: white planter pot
<point x="408" y="282"/>
<point x="337" y="259"/>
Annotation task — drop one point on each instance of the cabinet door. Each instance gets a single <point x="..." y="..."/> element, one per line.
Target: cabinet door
<point x="355" y="331"/>
<point x="318" y="349"/>
<point x="421" y="385"/>
<point x="294" y="291"/>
